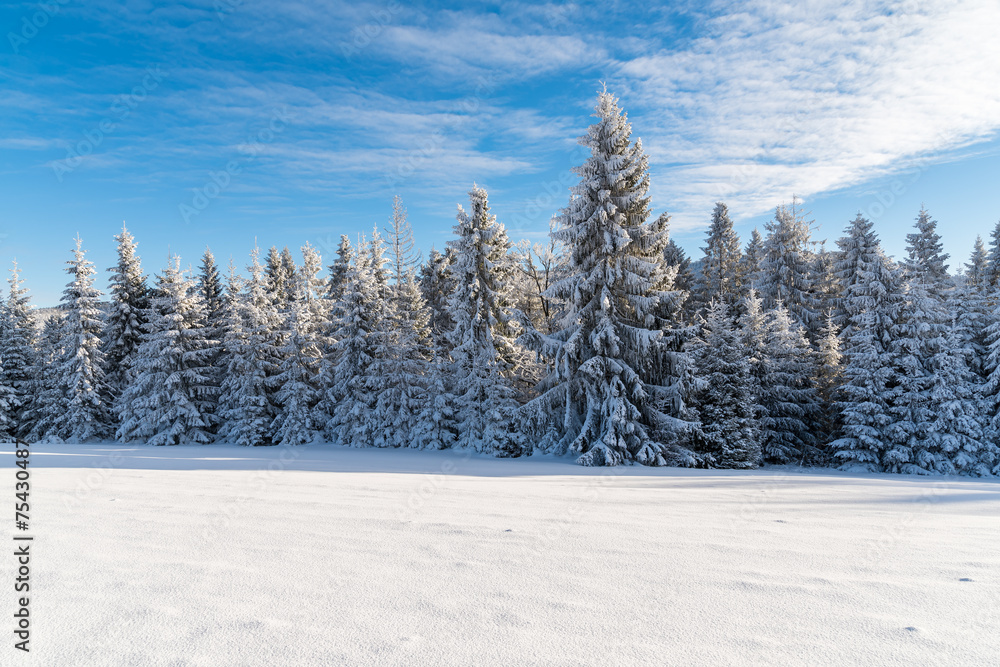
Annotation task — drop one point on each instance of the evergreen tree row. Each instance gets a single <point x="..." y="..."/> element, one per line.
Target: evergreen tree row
<point x="607" y="342"/>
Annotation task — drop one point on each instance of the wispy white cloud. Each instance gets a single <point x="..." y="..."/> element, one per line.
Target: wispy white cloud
<point x="748" y="102"/>
<point x="807" y="98"/>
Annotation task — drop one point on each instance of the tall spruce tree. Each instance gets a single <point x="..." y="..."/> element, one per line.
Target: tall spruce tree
<point x="406" y="358"/>
<point x="483" y="344"/>
<point x="437" y="285"/>
<point x="246" y="402"/>
<point x="872" y="305"/>
<point x="955" y="440"/>
<point x="8" y="397"/>
<point x="786" y="272"/>
<point x="970" y="304"/>
<point x="919" y="335"/>
<point x="210" y="286"/>
<point x="790" y="408"/>
<point x="992" y="272"/>
<point x="729" y="433"/>
<point x="753" y="336"/>
<point x="47" y="405"/>
<point x="990" y="391"/>
<point x="17" y="353"/>
<point x="753" y="260"/>
<point x="172" y="399"/>
<point x="80" y="369"/>
<point x="598" y="401"/>
<point x="298" y="394"/>
<point x="825" y="288"/>
<point x="352" y="392"/>
<point x="721" y="277"/>
<point x="437" y="422"/>
<point x="829" y="379"/>
<point x="126" y="319"/>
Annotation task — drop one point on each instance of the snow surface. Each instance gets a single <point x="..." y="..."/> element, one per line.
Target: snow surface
<point x="321" y="555"/>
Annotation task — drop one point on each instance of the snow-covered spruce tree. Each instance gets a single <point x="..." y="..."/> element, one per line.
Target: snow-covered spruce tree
<point x="8" y="407"/>
<point x="331" y="321"/>
<point x="992" y="271"/>
<point x="483" y="340"/>
<point x="311" y="284"/>
<point x="790" y="408"/>
<point x="437" y="426"/>
<point x="172" y="399"/>
<point x="337" y="282"/>
<point x="298" y="420"/>
<point x="210" y="286"/>
<point x="670" y="369"/>
<point x="990" y="390"/>
<point x="380" y="275"/>
<point x="721" y="277"/>
<point x="599" y="400"/>
<point x="351" y="396"/>
<point x="918" y="336"/>
<point x="956" y="441"/>
<point x="437" y="422"/>
<point x="976" y="270"/>
<point x="80" y="368"/>
<point x="864" y="409"/>
<point x="280" y="277"/>
<point x="384" y="307"/>
<point x="753" y="337"/>
<point x="872" y="305"/>
<point x="729" y="432"/>
<point x="825" y="288"/>
<point x="17" y="353"/>
<point x="46" y="404"/>
<point x="436" y="285"/>
<point x="406" y="352"/>
<point x="126" y="319"/>
<point x="246" y="402"/>
<point x="298" y="393"/>
<point x="786" y="273"/>
<point x="864" y="274"/>
<point x="753" y="260"/>
<point x="408" y="368"/>
<point x="8" y="397"/>
<point x="970" y="304"/>
<point x="829" y="378"/>
<point x="683" y="280"/>
<point x="925" y="255"/>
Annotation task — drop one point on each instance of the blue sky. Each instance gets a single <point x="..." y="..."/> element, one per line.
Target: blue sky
<point x="221" y="122"/>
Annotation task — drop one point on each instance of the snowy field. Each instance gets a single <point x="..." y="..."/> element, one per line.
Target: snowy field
<point x="319" y="555"/>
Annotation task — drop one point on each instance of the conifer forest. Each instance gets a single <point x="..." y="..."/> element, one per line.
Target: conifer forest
<point x="605" y="342"/>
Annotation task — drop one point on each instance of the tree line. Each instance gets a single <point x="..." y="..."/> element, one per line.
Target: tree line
<point x="607" y="342"/>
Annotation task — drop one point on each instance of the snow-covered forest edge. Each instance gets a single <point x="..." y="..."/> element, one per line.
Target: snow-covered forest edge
<point x="606" y="343"/>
